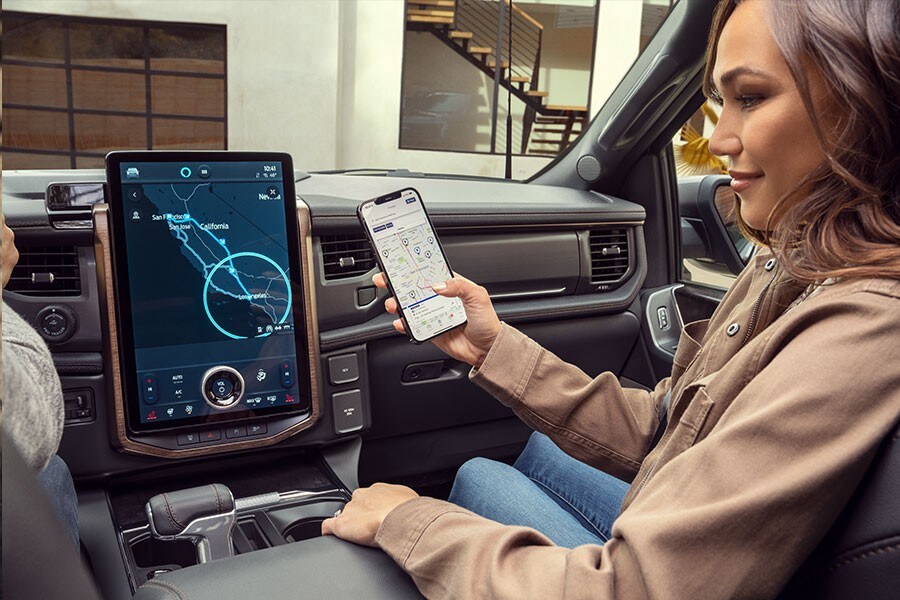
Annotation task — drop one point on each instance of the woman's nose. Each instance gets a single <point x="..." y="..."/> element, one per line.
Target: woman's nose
<point x="725" y="140"/>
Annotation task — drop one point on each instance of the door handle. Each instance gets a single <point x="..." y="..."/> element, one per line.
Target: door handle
<point x="433" y="370"/>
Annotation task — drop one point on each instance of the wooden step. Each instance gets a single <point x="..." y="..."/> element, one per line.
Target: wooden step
<point x="557" y="131"/>
<point x="424" y="12"/>
<point x="441" y="3"/>
<point x="542" y="152"/>
<point x="436" y="20"/>
<point x="493" y="63"/>
<point x="537" y="93"/>
<point x="479" y="50"/>
<point x="461" y="35"/>
<point x="520" y="79"/>
<point x="568" y="108"/>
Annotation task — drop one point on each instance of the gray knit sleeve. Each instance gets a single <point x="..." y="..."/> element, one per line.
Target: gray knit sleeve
<point x="33" y="409"/>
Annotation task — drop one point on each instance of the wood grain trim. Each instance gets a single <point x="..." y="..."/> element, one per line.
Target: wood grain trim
<point x="103" y="251"/>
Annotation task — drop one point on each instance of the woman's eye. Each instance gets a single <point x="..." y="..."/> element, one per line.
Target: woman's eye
<point x="748" y="101"/>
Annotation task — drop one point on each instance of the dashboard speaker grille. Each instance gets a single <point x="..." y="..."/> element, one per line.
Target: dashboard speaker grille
<point x="46" y="271"/>
<point x="609" y="255"/>
<point x="346" y="256"/>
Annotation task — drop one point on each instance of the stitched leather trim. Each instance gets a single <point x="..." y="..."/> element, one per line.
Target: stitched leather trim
<point x="884" y="546"/>
<point x="171" y="513"/>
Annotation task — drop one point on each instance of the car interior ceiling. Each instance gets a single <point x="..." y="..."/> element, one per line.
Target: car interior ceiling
<point x="381" y="408"/>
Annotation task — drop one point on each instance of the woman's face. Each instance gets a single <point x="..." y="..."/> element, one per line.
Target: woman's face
<point x="764" y="129"/>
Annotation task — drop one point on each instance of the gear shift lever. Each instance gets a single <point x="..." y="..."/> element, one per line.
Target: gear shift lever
<point x="205" y="515"/>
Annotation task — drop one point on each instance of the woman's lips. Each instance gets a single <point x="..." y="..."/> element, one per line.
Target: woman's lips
<point x="742" y="181"/>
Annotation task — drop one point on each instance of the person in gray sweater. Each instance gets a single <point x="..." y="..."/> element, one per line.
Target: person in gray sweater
<point x="31" y="400"/>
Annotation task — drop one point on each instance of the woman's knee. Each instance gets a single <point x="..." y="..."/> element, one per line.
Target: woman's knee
<point x="473" y="479"/>
<point x="539" y="449"/>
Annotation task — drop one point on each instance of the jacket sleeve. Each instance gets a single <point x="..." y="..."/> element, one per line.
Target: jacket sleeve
<point x="594" y="420"/>
<point x="733" y="516"/>
<point x="32" y="403"/>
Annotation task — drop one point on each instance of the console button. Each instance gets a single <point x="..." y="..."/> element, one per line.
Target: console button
<point x="365" y="296"/>
<point x="211" y="435"/>
<point x="343" y="369"/>
<point x="150" y="389"/>
<point x="222" y="387"/>
<point x="287" y="374"/>
<point x="348" y="412"/>
<point x="236" y="431"/>
<point x="56" y="323"/>
<point x="185" y="439"/>
<point x="79" y="405"/>
<point x="257" y="429"/>
<point x="662" y="315"/>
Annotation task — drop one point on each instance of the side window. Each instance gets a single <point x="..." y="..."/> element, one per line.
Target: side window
<point x="693" y="159"/>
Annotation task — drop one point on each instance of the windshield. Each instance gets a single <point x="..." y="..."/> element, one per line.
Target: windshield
<point x="357" y="85"/>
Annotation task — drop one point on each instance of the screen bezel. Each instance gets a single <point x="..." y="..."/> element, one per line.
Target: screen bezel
<point x="383" y="199"/>
<point x="122" y="287"/>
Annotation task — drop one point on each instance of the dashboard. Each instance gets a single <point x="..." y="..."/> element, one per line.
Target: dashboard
<point x="542" y="252"/>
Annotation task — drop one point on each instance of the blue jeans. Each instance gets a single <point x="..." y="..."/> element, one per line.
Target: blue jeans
<point x="57" y="481"/>
<point x="546" y="489"/>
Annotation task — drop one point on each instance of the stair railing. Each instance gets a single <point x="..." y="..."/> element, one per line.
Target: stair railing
<point x="480" y="17"/>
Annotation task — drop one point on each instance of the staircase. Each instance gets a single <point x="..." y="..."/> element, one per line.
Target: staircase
<point x="469" y="28"/>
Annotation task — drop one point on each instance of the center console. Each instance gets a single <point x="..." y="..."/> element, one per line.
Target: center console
<point x="180" y="518"/>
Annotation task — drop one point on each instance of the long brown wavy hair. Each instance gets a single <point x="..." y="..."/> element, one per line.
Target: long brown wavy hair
<point x="843" y="219"/>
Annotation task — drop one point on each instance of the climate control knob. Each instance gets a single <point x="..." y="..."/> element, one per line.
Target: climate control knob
<point x="222" y="387"/>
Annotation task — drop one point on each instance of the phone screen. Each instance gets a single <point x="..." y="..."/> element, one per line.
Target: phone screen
<point x="412" y="258"/>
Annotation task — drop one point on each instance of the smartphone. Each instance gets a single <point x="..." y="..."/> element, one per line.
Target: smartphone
<point x="410" y="255"/>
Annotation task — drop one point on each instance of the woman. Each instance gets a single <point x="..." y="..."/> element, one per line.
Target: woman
<point x="777" y="403"/>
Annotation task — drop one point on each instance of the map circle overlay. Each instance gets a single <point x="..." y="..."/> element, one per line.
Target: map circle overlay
<point x="212" y="271"/>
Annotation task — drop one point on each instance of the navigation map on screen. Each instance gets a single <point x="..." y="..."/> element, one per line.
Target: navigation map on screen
<point x="209" y="277"/>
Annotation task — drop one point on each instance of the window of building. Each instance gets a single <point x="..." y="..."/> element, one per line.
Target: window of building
<point x="450" y="65"/>
<point x="76" y="88"/>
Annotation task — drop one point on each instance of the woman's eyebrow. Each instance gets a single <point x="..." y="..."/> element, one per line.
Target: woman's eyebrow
<point x="729" y="76"/>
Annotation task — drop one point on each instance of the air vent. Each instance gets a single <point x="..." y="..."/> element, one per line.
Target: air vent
<point x="46" y="271"/>
<point x="609" y="255"/>
<point x="346" y="256"/>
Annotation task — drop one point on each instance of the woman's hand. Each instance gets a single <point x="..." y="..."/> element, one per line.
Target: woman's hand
<point x="9" y="256"/>
<point x="471" y="342"/>
<point x="360" y="519"/>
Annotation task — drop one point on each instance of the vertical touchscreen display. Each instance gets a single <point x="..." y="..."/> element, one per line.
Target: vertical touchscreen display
<point x="210" y="287"/>
<point x="411" y="255"/>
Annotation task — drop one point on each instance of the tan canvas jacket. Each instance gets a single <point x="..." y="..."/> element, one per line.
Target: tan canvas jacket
<point x="775" y="415"/>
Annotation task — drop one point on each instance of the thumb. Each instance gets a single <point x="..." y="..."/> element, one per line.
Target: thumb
<point x="469" y="292"/>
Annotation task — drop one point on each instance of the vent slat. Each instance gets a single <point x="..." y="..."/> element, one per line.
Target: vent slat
<point x="609" y="255"/>
<point x="60" y="261"/>
<point x="337" y="247"/>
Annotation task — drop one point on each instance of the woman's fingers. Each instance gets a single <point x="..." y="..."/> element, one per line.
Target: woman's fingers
<point x="398" y="325"/>
<point x="379" y="280"/>
<point x="390" y="305"/>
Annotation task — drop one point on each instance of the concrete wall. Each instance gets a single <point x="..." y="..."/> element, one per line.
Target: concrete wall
<point x="321" y="79"/>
